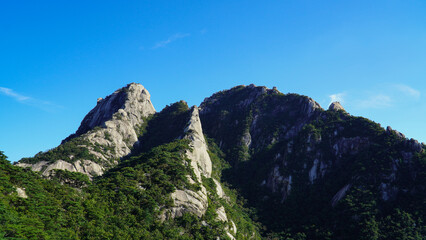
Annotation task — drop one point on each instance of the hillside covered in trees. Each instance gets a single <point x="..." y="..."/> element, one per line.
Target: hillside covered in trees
<point x="248" y="163"/>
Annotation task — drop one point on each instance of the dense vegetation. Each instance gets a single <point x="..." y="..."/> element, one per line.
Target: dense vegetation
<point x="70" y="151"/>
<point x="125" y="203"/>
<point x="273" y="168"/>
<point x="164" y="126"/>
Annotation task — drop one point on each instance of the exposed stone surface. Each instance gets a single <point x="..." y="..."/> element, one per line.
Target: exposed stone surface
<point x="35" y="167"/>
<point x="230" y="235"/>
<point x="246" y="139"/>
<point x="120" y="115"/>
<point x="87" y="167"/>
<point x="108" y="131"/>
<point x="278" y="183"/>
<point x="219" y="189"/>
<point x="221" y="214"/>
<point x="336" y="106"/>
<point x="133" y="100"/>
<point x="310" y="107"/>
<point x="21" y="192"/>
<point x="200" y="159"/>
<point x="412" y="144"/>
<point x="233" y="228"/>
<point x="389" y="130"/>
<point x="350" y="145"/>
<point x="313" y="171"/>
<point x="187" y="200"/>
<point x="340" y="194"/>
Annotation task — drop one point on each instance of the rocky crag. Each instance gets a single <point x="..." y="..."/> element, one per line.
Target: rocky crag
<point x="197" y="202"/>
<point x="285" y="147"/>
<point x="107" y="133"/>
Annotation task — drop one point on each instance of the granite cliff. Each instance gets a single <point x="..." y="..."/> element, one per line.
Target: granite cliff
<point x="107" y="133"/>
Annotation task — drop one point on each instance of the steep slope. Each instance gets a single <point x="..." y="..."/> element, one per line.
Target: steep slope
<point x="202" y="196"/>
<point x="107" y="133"/>
<point x="308" y="172"/>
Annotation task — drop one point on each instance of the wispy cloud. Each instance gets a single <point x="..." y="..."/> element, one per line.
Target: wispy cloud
<point x="9" y="92"/>
<point x="407" y="90"/>
<point x="44" y="105"/>
<point x="376" y="101"/>
<point x="337" y="97"/>
<point x="170" y="40"/>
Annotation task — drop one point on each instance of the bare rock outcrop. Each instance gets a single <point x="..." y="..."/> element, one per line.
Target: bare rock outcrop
<point x="196" y="202"/>
<point x="87" y="167"/>
<point x="336" y="106"/>
<point x="120" y="116"/>
<point x="186" y="200"/>
<point x="21" y="192"/>
<point x="131" y="102"/>
<point x="108" y="132"/>
<point x="200" y="159"/>
<point x="340" y="194"/>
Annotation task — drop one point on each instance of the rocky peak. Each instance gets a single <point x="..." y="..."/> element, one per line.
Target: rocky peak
<point x="108" y="132"/>
<point x="245" y="94"/>
<point x="412" y="144"/>
<point x="335" y="106"/>
<point x="186" y="200"/>
<point x="200" y="159"/>
<point x="255" y="116"/>
<point x="133" y="99"/>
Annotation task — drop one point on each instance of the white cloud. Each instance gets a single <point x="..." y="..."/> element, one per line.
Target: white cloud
<point x="9" y="92"/>
<point x="44" y="105"/>
<point x="376" y="101"/>
<point x="337" y="97"/>
<point x="407" y="90"/>
<point x="170" y="40"/>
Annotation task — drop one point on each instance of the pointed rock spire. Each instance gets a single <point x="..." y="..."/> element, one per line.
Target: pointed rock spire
<point x="108" y="132"/>
<point x="336" y="106"/>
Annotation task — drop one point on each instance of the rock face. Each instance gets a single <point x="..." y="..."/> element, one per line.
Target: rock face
<point x="187" y="200"/>
<point x="255" y="116"/>
<point x="196" y="202"/>
<point x="21" y="192"/>
<point x="336" y="106"/>
<point x="130" y="104"/>
<point x="83" y="166"/>
<point x="200" y="159"/>
<point x="108" y="132"/>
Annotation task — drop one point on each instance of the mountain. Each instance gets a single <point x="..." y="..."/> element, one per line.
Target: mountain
<point x="248" y="163"/>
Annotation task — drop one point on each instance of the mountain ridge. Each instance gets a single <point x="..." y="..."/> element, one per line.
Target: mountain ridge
<point x="305" y="172"/>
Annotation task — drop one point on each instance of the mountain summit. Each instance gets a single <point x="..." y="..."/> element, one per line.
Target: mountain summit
<point x="107" y="133"/>
<point x="248" y="163"/>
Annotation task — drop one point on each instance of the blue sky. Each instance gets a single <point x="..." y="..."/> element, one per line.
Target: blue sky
<point x="58" y="57"/>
